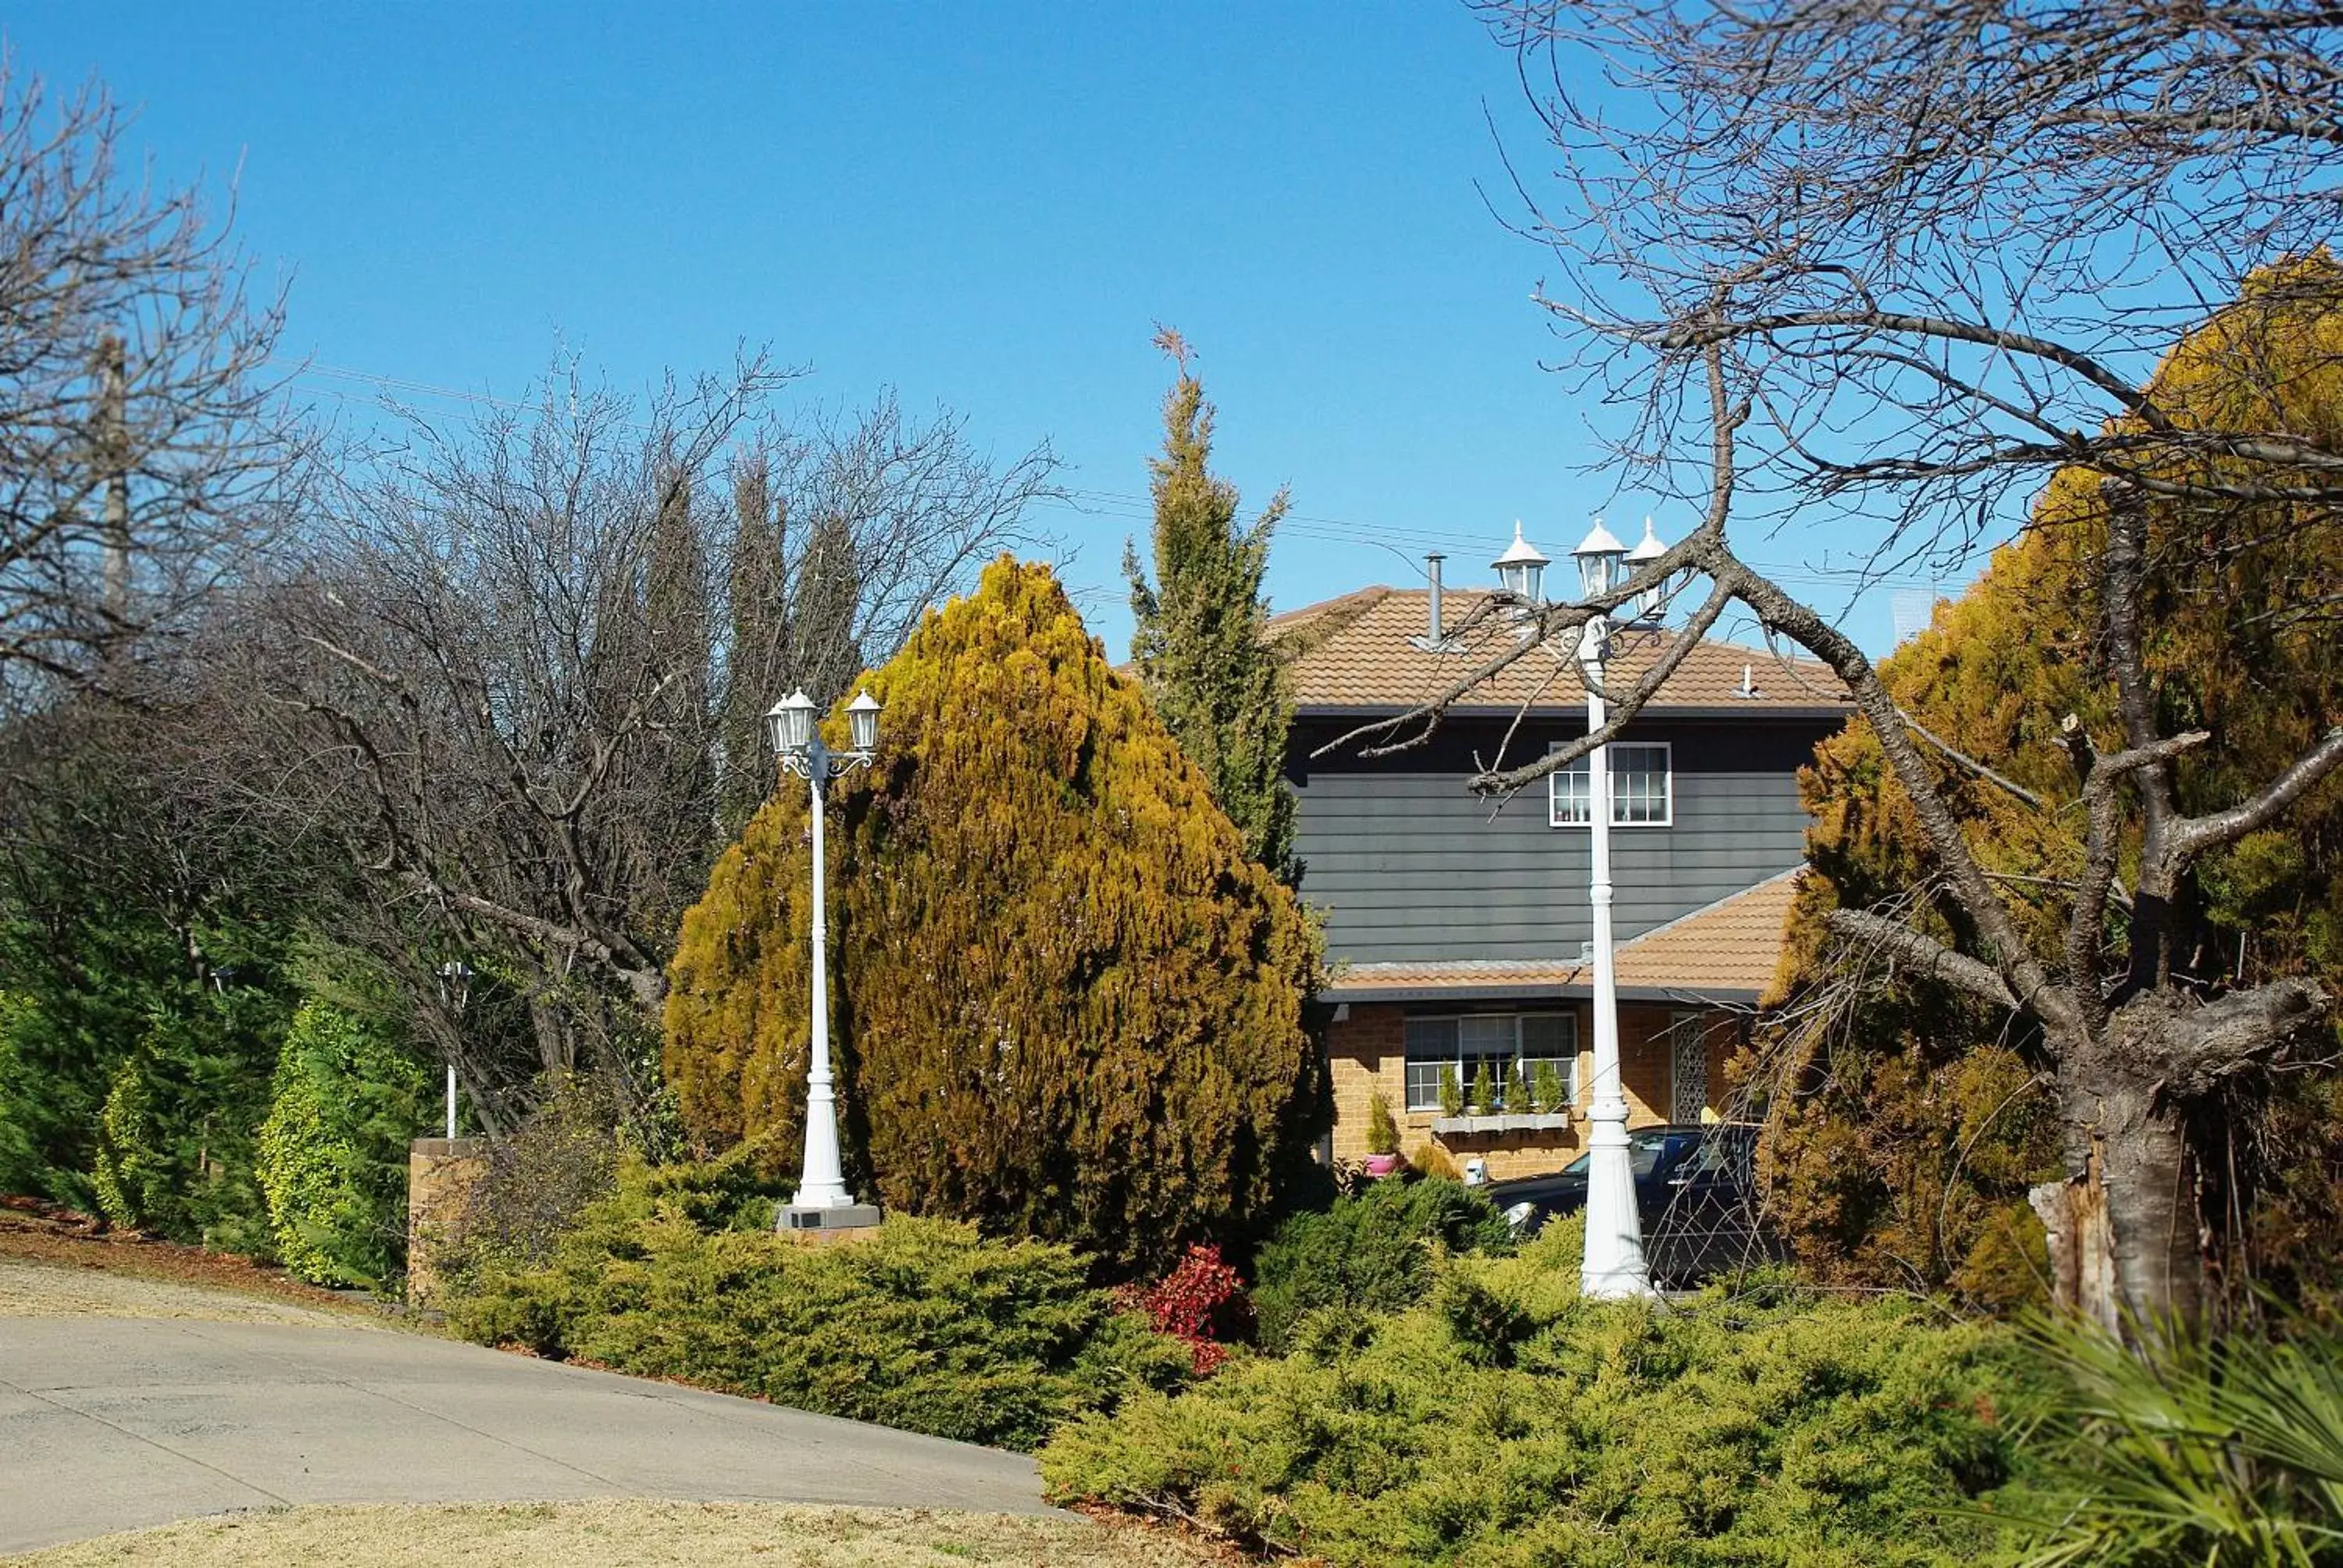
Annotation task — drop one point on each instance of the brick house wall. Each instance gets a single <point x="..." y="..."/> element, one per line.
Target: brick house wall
<point x="1367" y="1052"/>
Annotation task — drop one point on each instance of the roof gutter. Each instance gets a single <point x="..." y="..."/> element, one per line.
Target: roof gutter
<point x="1542" y="990"/>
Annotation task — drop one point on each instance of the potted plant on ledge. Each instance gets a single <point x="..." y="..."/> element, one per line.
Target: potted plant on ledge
<point x="1553" y="1094"/>
<point x="1383" y="1138"/>
<point x="1484" y="1091"/>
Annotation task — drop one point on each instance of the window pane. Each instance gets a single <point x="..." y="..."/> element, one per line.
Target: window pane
<point x="1486" y="1034"/>
<point x="1431" y="1046"/>
<point x="1432" y="1036"/>
<point x="1549" y="1034"/>
<point x="1639" y="783"/>
<point x="1570" y="790"/>
<point x="1639" y="787"/>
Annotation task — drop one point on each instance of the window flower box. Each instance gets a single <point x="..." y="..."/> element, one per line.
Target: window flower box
<point x="1487" y="1126"/>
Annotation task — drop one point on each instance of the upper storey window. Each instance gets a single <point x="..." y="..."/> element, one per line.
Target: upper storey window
<point x="1642" y="787"/>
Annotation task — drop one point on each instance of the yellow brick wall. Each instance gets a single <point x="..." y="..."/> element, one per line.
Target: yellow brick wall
<point x="1367" y="1051"/>
<point x="442" y="1176"/>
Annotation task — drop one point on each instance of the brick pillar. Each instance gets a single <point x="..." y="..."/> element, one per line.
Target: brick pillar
<point x="442" y="1174"/>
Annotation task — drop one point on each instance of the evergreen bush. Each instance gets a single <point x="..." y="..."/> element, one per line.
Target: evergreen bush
<point x="332" y="1159"/>
<point x="927" y="1326"/>
<point x="1553" y="1094"/>
<point x="21" y="1168"/>
<point x="130" y="1184"/>
<point x="1371" y="1253"/>
<point x="1505" y="1422"/>
<point x="175" y="1134"/>
<point x="1451" y="1093"/>
<point x="1199" y="634"/>
<point x="1067" y="1006"/>
<point x="1429" y="1159"/>
<point x="1383" y="1130"/>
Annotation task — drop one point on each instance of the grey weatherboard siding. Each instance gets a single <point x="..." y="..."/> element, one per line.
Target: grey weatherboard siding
<point x="1412" y="867"/>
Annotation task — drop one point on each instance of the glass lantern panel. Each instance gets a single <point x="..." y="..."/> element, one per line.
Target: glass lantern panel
<point x="1596" y="571"/>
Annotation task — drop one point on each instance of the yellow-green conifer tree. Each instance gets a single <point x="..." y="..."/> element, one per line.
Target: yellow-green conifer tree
<point x="1067" y="1005"/>
<point x="1915" y="1120"/>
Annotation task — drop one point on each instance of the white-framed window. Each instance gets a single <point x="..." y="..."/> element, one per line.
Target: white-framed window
<point x="1642" y="787"/>
<point x="1513" y="1045"/>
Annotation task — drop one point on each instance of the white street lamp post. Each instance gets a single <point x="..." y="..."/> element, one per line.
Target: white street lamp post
<point x="1614" y="1266"/>
<point x="455" y="989"/>
<point x="823" y="1202"/>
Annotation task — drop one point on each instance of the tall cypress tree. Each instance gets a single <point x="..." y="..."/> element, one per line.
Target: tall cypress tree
<point x="1198" y="641"/>
<point x="757" y="655"/>
<point x="1066" y="1003"/>
<point x="824" y="657"/>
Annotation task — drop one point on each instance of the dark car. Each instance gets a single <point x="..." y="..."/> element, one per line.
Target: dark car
<point x="1654" y="1153"/>
<point x="1695" y="1194"/>
<point x="1705" y="1221"/>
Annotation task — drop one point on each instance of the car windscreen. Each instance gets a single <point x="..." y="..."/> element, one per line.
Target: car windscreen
<point x="1724" y="1151"/>
<point x="1644" y="1151"/>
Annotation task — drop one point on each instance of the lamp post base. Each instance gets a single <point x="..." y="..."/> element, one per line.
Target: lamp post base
<point x="1615" y="1267"/>
<point x="821" y="1226"/>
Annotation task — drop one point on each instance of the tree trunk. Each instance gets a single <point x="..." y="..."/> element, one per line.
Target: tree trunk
<point x="554" y="1052"/>
<point x="2127" y="1242"/>
<point x="2123" y="1227"/>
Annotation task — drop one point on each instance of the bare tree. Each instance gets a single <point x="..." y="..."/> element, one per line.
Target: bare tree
<point x="498" y="680"/>
<point x="846" y="532"/>
<point x="1839" y="259"/>
<point x="138" y="454"/>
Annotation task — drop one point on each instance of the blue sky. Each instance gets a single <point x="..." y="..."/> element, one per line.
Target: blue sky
<point x="987" y="209"/>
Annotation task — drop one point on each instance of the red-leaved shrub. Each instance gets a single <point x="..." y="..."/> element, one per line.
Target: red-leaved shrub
<point x="1201" y="1303"/>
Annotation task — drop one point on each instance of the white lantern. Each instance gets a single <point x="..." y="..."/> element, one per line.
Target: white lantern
<point x="788" y="724"/>
<point x="862" y="714"/>
<point x="1598" y="556"/>
<point x="1651" y="602"/>
<point x="1521" y="570"/>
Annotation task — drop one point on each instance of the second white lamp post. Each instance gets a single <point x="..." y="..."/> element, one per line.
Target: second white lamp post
<point x="823" y="1202"/>
<point x="1614" y="1265"/>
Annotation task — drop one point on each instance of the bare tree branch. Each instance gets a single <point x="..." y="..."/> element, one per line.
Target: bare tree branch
<point x="1924" y="955"/>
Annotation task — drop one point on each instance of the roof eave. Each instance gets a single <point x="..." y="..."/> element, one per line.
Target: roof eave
<point x="1540" y="991"/>
<point x="1578" y="710"/>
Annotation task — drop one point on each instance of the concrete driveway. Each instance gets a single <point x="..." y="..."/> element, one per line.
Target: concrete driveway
<point x="110" y="1423"/>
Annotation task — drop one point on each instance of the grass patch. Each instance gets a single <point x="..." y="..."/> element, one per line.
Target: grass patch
<point x="631" y="1534"/>
<point x="35" y="1232"/>
<point x="37" y="1289"/>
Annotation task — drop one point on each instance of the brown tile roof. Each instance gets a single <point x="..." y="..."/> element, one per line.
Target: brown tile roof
<point x="1360" y="651"/>
<point x="1724" y="952"/>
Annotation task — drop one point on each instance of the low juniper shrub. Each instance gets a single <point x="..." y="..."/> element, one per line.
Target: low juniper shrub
<point x="927" y="1326"/>
<point x="1370" y="1253"/>
<point x="1505" y="1422"/>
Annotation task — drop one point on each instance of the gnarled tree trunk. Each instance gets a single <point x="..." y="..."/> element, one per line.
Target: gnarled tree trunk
<point x="2126" y="1236"/>
<point x="2122" y="1228"/>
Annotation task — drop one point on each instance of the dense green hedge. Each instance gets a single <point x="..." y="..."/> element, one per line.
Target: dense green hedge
<point x="332" y="1157"/>
<point x="1371" y="1253"/>
<point x="1503" y="1420"/>
<point x="926" y="1326"/>
<point x="174" y="1141"/>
